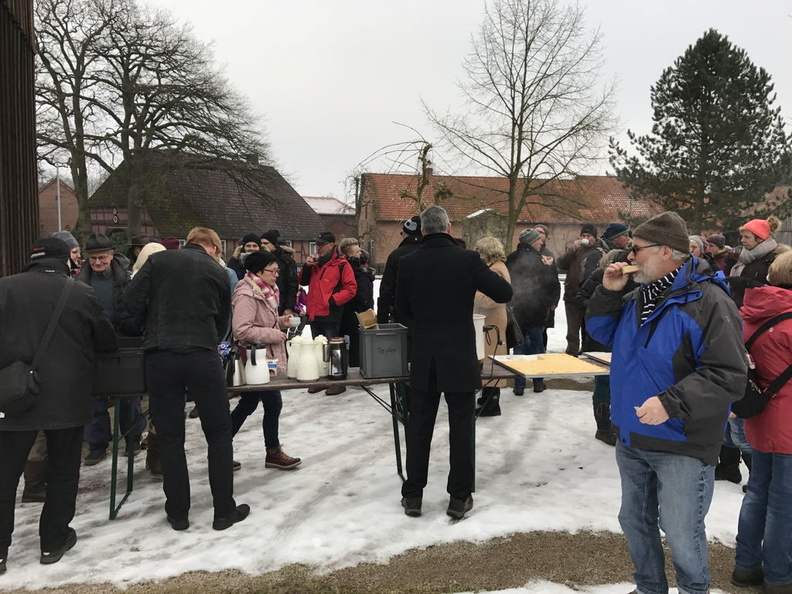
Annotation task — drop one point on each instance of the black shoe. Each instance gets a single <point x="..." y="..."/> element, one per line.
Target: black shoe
<point x="728" y="472"/>
<point x="519" y="391"/>
<point x="3" y="564"/>
<point x="743" y="578"/>
<point x="488" y="411"/>
<point x="412" y="506"/>
<point x="606" y="436"/>
<point x="540" y="387"/>
<point x="35" y="494"/>
<point x="240" y="513"/>
<point x="194" y="414"/>
<point x="94" y="457"/>
<point x="50" y="557"/>
<point x="457" y="508"/>
<point x="179" y="523"/>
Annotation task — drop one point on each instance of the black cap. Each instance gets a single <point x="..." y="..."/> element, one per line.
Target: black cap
<point x="258" y="261"/>
<point x="412" y="226"/>
<point x="325" y="237"/>
<point x="98" y="242"/>
<point x="50" y="247"/>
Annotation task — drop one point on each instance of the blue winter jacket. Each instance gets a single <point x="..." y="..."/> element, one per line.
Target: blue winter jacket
<point x="689" y="353"/>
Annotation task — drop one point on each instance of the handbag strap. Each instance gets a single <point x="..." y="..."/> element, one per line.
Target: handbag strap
<point x="782" y="379"/>
<point x="779" y="382"/>
<point x="52" y="323"/>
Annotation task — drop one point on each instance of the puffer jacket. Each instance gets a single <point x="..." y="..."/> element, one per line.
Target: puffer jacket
<point x="255" y="319"/>
<point x="771" y="430"/>
<point x="329" y="286"/>
<point x="688" y="352"/>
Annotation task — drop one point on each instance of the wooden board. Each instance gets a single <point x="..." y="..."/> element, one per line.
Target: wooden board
<point x="599" y="357"/>
<point x="549" y="365"/>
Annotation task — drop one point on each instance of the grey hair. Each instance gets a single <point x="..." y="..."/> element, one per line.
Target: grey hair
<point x="680" y="256"/>
<point x="434" y="220"/>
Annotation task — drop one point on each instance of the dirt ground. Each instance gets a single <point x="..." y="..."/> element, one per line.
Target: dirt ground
<point x="574" y="560"/>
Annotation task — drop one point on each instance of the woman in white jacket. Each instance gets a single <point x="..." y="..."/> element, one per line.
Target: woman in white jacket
<point x="255" y="319"/>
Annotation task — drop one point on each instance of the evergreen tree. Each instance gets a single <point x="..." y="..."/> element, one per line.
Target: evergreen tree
<point x="717" y="143"/>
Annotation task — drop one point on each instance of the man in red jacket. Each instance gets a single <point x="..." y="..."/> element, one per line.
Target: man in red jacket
<point x="331" y="283"/>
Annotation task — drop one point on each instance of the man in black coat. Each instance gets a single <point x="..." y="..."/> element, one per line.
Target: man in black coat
<point x="185" y="299"/>
<point x="27" y="302"/>
<point x="435" y="288"/>
<point x="287" y="279"/>
<point x="411" y="232"/>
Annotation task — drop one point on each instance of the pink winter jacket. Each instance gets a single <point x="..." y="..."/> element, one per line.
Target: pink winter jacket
<point x="256" y="320"/>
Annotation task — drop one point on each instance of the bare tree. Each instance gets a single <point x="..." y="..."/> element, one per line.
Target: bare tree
<point x="153" y="86"/>
<point x="535" y="109"/>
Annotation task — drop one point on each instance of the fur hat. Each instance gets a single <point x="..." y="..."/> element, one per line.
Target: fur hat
<point x="528" y="236"/>
<point x="50" y="247"/>
<point x="272" y="236"/>
<point x="258" y="261"/>
<point x="590" y="229"/>
<point x="667" y="228"/>
<point x="98" y="242"/>
<point x="717" y="240"/>
<point x="615" y="230"/>
<point x="325" y="237"/>
<point x="250" y="238"/>
<point x="412" y="226"/>
<point x="66" y="238"/>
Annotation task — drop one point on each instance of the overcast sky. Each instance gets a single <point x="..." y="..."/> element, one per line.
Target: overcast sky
<point x="330" y="78"/>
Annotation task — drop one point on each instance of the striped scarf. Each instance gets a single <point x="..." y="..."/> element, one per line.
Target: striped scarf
<point x="271" y="294"/>
<point x="651" y="293"/>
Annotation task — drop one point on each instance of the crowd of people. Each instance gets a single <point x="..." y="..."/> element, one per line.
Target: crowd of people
<point x="675" y="310"/>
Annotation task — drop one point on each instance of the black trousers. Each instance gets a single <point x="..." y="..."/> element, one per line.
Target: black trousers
<point x="169" y="375"/>
<point x="420" y="427"/>
<point x="64" y="455"/>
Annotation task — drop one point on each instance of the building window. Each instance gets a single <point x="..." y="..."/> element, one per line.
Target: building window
<point x="312" y="248"/>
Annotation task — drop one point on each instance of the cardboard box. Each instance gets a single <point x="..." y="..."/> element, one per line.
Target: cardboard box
<point x="383" y="351"/>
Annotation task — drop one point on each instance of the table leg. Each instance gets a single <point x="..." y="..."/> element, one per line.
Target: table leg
<point x="114" y="460"/>
<point x="396" y="411"/>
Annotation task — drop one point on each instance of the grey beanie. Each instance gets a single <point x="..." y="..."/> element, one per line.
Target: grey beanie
<point x="699" y="242"/>
<point x="66" y="238"/>
<point x="528" y="236"/>
<point x="667" y="228"/>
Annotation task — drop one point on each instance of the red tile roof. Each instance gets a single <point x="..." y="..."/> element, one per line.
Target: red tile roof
<point x="585" y="198"/>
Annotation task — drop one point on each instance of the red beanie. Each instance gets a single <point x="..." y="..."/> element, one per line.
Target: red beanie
<point x="758" y="227"/>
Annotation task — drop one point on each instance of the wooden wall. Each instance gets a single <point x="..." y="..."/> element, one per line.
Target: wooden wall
<point x="18" y="187"/>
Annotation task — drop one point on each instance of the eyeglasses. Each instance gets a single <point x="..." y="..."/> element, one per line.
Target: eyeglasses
<point x="99" y="258"/>
<point x="272" y="270"/>
<point x="635" y="249"/>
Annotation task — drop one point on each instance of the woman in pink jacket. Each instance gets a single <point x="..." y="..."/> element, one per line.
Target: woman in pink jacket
<point x="764" y="546"/>
<point x="255" y="319"/>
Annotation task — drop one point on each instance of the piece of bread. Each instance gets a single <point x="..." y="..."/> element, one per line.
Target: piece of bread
<point x="630" y="269"/>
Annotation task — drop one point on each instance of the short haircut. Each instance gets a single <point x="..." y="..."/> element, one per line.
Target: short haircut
<point x="205" y="237"/>
<point x="347" y="243"/>
<point x="434" y="220"/>
<point x="781" y="270"/>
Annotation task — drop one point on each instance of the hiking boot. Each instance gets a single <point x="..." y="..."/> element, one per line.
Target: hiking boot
<point x="412" y="506"/>
<point x="315" y="390"/>
<point x="94" y="457"/>
<point x="457" y="508"/>
<point x="606" y="436"/>
<point x="179" y="523"/>
<point x="728" y="472"/>
<point x="50" y="557"/>
<point x="34" y="493"/>
<point x="240" y="513"/>
<point x="744" y="578"/>
<point x="489" y="403"/>
<point x="540" y="387"/>
<point x="277" y="458"/>
<point x="519" y="391"/>
<point x="335" y="390"/>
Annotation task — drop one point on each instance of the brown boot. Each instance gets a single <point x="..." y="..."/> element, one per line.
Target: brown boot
<point x="335" y="390"/>
<point x="35" y="490"/>
<point x="277" y="458"/>
<point x="153" y="455"/>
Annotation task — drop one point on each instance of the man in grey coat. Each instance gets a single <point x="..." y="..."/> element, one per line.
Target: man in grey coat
<point x="27" y="302"/>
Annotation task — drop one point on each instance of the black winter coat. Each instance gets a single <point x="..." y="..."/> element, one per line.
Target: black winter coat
<point x="287" y="279"/>
<point x="125" y="324"/>
<point x="27" y="302"/>
<point x="387" y="300"/>
<point x="535" y="285"/>
<point x="183" y="296"/>
<point x="435" y="288"/>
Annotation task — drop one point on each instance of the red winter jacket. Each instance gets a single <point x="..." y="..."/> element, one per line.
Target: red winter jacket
<point x="330" y="285"/>
<point x="771" y="430"/>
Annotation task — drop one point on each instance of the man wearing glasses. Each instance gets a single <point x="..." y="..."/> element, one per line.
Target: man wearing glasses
<point x="678" y="363"/>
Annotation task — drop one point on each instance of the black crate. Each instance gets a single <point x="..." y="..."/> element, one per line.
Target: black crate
<point x="120" y="372"/>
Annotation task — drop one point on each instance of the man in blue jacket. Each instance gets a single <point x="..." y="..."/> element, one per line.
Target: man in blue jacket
<point x="678" y="362"/>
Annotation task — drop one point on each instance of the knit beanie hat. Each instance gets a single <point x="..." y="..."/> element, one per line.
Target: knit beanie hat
<point x="258" y="261"/>
<point x="528" y="236"/>
<point x="272" y="236"/>
<point x="171" y="243"/>
<point x="412" y="226"/>
<point x="66" y="238"/>
<point x="667" y="228"/>
<point x="615" y="230"/>
<point x="251" y="238"/>
<point x="590" y="229"/>
<point x="717" y="240"/>
<point x="543" y="228"/>
<point x="50" y="247"/>
<point x="698" y="241"/>
<point x="758" y="227"/>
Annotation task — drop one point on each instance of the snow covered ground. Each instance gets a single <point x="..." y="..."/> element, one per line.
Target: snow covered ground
<point x="538" y="468"/>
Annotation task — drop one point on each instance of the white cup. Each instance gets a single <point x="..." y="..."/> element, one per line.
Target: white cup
<point x="294" y="321"/>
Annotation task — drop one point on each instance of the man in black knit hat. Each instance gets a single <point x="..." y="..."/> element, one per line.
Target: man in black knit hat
<point x="411" y="241"/>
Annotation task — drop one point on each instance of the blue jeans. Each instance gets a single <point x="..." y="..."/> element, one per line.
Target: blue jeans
<point x="735" y="436"/>
<point x="766" y="519"/>
<point x="672" y="492"/>
<point x="533" y="344"/>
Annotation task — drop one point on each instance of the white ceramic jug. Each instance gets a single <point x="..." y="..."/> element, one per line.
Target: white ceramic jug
<point x="256" y="369"/>
<point x="294" y="350"/>
<point x="307" y="364"/>
<point x="319" y="344"/>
